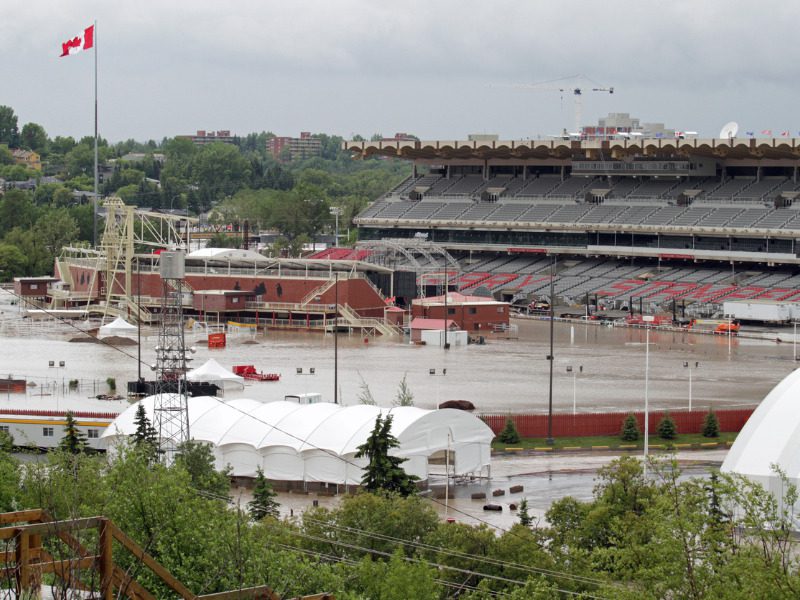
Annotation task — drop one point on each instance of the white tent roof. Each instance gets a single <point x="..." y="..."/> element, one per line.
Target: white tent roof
<point x="317" y="442"/>
<point x="770" y="436"/>
<point x="213" y="371"/>
<point x="117" y="326"/>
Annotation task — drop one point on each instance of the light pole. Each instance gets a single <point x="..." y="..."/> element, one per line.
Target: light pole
<point x="550" y="356"/>
<point x="648" y="319"/>
<point x="794" y="342"/>
<point x="688" y="365"/>
<point x="58" y="366"/>
<point x="433" y="373"/>
<point x="309" y="371"/>
<point x="574" y="386"/>
<point x="336" y="211"/>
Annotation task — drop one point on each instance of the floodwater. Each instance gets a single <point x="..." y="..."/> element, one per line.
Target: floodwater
<point x="504" y="375"/>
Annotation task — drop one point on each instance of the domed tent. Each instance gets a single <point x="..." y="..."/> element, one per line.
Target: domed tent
<point x="318" y="442"/>
<point x="770" y="437"/>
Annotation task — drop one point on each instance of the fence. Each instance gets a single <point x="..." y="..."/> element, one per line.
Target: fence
<point x="590" y="424"/>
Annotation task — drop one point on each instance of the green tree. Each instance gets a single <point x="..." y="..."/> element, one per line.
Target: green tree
<point x="666" y="427"/>
<point x="145" y="437"/>
<point x="6" y="158"/>
<point x="34" y="137"/>
<point x="263" y="504"/>
<point x="711" y="425"/>
<point x="74" y="440"/>
<point x="509" y="435"/>
<point x="12" y="262"/>
<point x="630" y="429"/>
<point x="384" y="472"/>
<point x="9" y="134"/>
<point x="198" y="460"/>
<point x="525" y="518"/>
<point x="16" y="210"/>
<point x="404" y="395"/>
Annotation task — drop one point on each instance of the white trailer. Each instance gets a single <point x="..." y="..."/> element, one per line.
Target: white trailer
<point x="762" y="311"/>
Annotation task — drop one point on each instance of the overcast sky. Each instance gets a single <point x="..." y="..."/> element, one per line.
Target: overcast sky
<point x="440" y="69"/>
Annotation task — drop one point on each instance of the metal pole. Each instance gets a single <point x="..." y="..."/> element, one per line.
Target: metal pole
<point x="574" y="392"/>
<point x="550" y="440"/>
<point x="690" y="387"/>
<point x="96" y="176"/>
<point x="336" y="344"/>
<point x="646" y="399"/>
<point x="139" y="320"/>
<point x="794" y="343"/>
<point x="446" y="345"/>
<point x="447" y="477"/>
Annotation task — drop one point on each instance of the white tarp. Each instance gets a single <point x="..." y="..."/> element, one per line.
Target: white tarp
<point x="118" y="326"/>
<point x="213" y="372"/>
<point x="317" y="442"/>
<point x="770" y="437"/>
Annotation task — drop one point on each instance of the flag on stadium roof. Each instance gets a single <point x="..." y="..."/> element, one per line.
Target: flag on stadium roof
<point x="750" y="133"/>
<point x="766" y="132"/>
<point x="784" y="133"/>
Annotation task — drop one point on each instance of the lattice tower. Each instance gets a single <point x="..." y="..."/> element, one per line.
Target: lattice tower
<point x="172" y="398"/>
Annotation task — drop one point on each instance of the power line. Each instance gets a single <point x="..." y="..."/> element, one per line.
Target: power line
<point x="328" y="452"/>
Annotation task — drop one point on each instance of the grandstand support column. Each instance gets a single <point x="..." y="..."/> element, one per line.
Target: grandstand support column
<point x="550" y="356"/>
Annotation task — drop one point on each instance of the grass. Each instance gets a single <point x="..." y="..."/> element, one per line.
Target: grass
<point x="614" y="442"/>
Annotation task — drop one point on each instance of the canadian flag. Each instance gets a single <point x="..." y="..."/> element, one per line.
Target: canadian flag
<point x="82" y="41"/>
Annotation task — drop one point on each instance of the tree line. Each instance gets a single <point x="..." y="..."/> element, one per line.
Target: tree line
<point x="655" y="536"/>
<point x="227" y="183"/>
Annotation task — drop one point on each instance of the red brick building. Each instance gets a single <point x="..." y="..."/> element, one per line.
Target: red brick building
<point x="470" y="313"/>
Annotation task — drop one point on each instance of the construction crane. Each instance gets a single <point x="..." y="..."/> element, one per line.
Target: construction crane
<point x="571" y="85"/>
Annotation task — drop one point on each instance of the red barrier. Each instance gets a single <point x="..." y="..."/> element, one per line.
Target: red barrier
<point x="591" y="424"/>
<point x="33" y="412"/>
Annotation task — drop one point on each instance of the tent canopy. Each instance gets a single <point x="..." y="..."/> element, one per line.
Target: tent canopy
<point x="212" y="371"/>
<point x="317" y="442"/>
<point x="770" y="437"/>
<point x="117" y="326"/>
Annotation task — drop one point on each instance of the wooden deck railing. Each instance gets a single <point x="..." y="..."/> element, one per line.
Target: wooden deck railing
<point x="25" y="560"/>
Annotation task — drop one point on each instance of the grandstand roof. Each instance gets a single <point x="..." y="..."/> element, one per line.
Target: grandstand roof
<point x="736" y="148"/>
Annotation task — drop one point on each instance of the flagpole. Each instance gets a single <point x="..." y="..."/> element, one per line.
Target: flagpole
<point x="96" y="175"/>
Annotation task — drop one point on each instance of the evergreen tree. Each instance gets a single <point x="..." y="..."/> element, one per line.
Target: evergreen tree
<point x="145" y="437"/>
<point x="630" y="429"/>
<point x="711" y="425"/>
<point x="383" y="472"/>
<point x="263" y="503"/>
<point x="509" y="435"/>
<point x="666" y="428"/>
<point x="525" y="518"/>
<point x="74" y="441"/>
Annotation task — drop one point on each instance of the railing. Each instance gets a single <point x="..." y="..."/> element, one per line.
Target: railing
<point x="26" y="560"/>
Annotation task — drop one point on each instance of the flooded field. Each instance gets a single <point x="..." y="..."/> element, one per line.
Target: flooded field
<point x="508" y="375"/>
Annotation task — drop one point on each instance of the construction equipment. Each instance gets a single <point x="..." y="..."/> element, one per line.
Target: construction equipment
<point x="574" y="85"/>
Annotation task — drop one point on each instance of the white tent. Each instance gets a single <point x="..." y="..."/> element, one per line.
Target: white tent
<point x="118" y="326"/>
<point x="213" y="372"/>
<point x="318" y="442"/>
<point x="771" y="436"/>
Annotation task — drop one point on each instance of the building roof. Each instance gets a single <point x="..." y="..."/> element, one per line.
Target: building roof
<point x="753" y="148"/>
<point x="456" y="298"/>
<point x="317" y="442"/>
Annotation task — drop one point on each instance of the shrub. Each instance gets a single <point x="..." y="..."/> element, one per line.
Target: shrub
<point x="112" y="384"/>
<point x="666" y="428"/>
<point x="630" y="429"/>
<point x="73" y="384"/>
<point x="711" y="425"/>
<point x="509" y="435"/>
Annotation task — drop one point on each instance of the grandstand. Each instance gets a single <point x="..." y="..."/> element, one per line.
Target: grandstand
<point x="659" y="220"/>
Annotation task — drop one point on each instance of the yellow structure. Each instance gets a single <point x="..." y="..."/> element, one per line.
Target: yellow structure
<point x="27" y="158"/>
